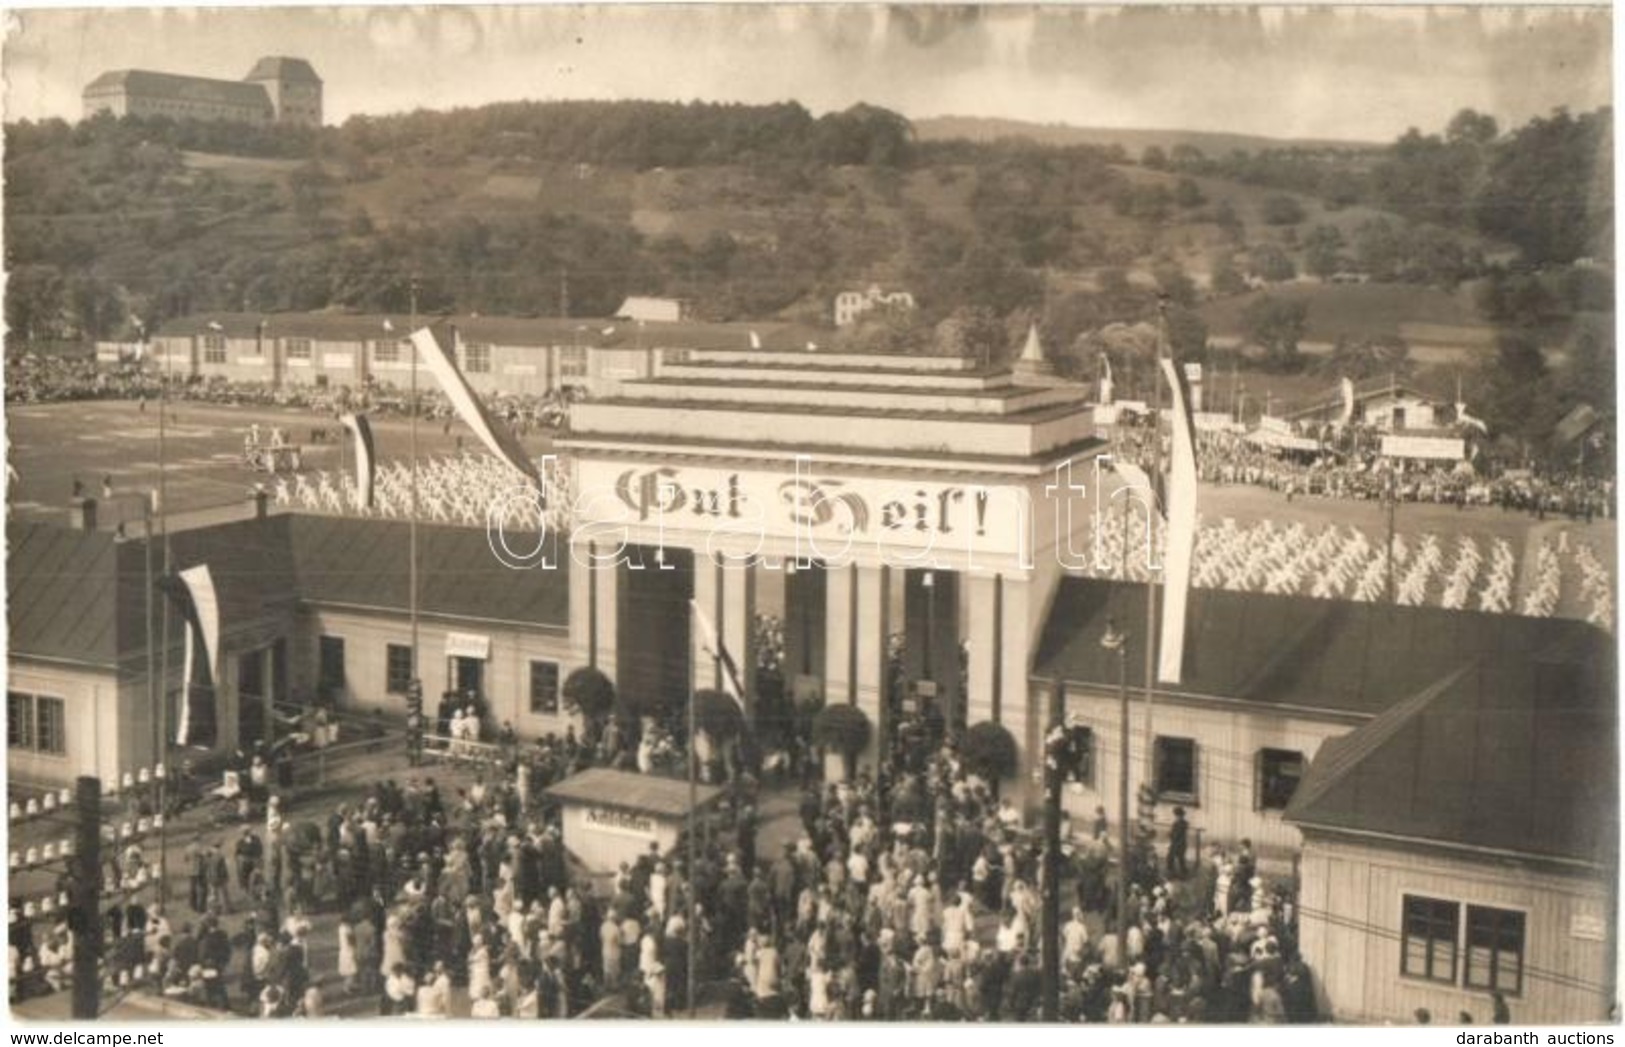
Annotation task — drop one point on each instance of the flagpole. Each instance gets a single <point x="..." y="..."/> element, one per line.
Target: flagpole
<point x="163" y="685"/>
<point x="1150" y="575"/>
<point x="412" y="524"/>
<point x="693" y="805"/>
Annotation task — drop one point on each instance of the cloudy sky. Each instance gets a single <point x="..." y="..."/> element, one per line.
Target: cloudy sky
<point x="1357" y="73"/>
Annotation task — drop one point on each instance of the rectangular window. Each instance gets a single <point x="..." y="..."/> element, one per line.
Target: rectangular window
<point x="573" y="362"/>
<point x="1494" y="949"/>
<point x="330" y="663"/>
<point x="1428" y="937"/>
<point x="214" y="348"/>
<point x="386" y="352"/>
<point x="296" y="348"/>
<point x="397" y="668"/>
<point x="51" y="717"/>
<point x="544" y="687"/>
<point x="1279" y="771"/>
<point x="37" y="723"/>
<point x="1175" y="769"/>
<point x="477" y="358"/>
<point x="19" y="720"/>
<point x="1079" y="755"/>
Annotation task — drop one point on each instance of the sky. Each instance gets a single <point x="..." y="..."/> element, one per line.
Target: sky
<point x="1359" y="73"/>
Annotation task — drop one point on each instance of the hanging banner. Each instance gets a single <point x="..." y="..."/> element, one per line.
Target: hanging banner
<point x="1181" y="529"/>
<point x="366" y="463"/>
<point x="438" y="350"/>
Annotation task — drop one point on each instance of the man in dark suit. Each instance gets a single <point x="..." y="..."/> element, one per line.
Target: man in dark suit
<point x="1178" y="846"/>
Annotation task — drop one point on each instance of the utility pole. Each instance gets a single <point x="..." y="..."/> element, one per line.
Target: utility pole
<point x="1391" y="496"/>
<point x="1051" y="887"/>
<point x="412" y="525"/>
<point x="162" y="755"/>
<point x="1116" y="641"/>
<point x="85" y="917"/>
<point x="1156" y="488"/>
<point x="693" y="831"/>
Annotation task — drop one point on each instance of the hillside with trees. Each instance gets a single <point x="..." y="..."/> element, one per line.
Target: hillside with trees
<point x="750" y="212"/>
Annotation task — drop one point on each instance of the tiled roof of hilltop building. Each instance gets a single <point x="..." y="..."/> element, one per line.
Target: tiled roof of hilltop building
<point x="181" y="88"/>
<point x="281" y="67"/>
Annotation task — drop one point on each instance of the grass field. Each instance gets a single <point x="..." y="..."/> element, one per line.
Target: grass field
<point x="51" y="445"/>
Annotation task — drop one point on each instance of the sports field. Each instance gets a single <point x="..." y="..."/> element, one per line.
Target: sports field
<point x="51" y="445"/>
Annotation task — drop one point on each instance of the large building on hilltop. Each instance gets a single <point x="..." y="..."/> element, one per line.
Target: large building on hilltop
<point x="278" y="90"/>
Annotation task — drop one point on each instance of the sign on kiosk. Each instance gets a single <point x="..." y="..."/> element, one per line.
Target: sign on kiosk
<point x="468" y="645"/>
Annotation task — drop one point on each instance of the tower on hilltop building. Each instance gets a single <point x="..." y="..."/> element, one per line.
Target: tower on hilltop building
<point x="294" y="88"/>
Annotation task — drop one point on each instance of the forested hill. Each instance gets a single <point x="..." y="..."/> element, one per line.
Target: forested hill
<point x="757" y="211"/>
<point x="1132" y="140"/>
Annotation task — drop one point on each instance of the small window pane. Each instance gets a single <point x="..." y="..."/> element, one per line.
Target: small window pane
<point x="1430" y="929"/>
<point x="53" y="725"/>
<point x="19" y="720"/>
<point x="1495" y="940"/>
<point x="1176" y="767"/>
<point x="398" y="668"/>
<point x="1280" y="770"/>
<point x="544" y="687"/>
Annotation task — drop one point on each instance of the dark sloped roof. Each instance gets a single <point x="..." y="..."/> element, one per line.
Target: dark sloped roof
<point x="364" y="563"/>
<point x="182" y="88"/>
<point x="62" y="590"/>
<point x="78" y="595"/>
<point x="249" y="561"/>
<point x="667" y="797"/>
<point x="1513" y="753"/>
<point x="281" y="67"/>
<point x="1332" y="655"/>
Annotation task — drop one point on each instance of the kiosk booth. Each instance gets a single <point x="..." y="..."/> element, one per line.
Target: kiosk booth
<point x="610" y="817"/>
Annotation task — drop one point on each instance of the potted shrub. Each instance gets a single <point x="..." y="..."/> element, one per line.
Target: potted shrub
<point x="842" y="730"/>
<point x="989" y="751"/>
<point x="719" y="723"/>
<point x="590" y="694"/>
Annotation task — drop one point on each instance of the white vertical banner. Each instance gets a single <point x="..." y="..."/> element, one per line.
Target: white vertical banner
<point x="183" y="723"/>
<point x="200" y="587"/>
<point x="1181" y="548"/>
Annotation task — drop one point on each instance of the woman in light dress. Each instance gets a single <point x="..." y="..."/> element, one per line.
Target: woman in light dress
<point x="347" y="958"/>
<point x="394" y="950"/>
<point x="818" y="996"/>
<point x="479" y="969"/>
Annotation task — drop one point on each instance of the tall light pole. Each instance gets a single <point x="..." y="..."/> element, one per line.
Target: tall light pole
<point x="1114" y="640"/>
<point x="163" y="671"/>
<point x="1156" y="485"/>
<point x="412" y="522"/>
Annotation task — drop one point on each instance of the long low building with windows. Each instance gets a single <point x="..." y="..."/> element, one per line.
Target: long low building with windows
<point x="526" y="356"/>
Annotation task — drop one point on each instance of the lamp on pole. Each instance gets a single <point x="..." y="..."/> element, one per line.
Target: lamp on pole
<point x="1116" y="640"/>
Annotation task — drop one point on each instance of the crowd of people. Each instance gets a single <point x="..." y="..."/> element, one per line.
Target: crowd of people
<point x="1232" y="458"/>
<point x="1461" y="572"/>
<point x="919" y="899"/>
<point x="32" y="378"/>
<point x="468" y="489"/>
